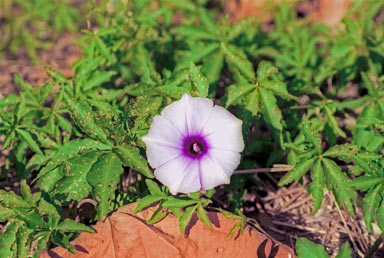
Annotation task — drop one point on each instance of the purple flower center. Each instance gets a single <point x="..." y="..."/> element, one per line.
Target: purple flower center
<point x="195" y="146"/>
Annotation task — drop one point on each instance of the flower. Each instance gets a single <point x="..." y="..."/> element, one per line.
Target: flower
<point x="194" y="144"/>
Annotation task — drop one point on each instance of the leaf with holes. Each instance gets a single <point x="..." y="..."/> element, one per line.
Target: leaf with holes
<point x="103" y="177"/>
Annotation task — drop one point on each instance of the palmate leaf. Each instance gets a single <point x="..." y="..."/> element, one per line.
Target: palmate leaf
<point x="237" y="59"/>
<point x="103" y="178"/>
<point x="74" y="185"/>
<point x="70" y="150"/>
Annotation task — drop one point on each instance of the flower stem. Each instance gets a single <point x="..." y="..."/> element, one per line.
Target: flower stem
<point x="277" y="168"/>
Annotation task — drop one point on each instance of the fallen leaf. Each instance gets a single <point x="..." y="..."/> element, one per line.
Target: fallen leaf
<point x="125" y="234"/>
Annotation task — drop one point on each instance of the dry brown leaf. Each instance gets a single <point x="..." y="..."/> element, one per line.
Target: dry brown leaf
<point x="125" y="234"/>
<point x="331" y="12"/>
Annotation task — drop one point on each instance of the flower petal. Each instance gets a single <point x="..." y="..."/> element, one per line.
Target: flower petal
<point x="223" y="130"/>
<point x="202" y="110"/>
<point x="178" y="114"/>
<point x="188" y="115"/>
<point x="180" y="175"/>
<point x="228" y="160"/>
<point x="161" y="131"/>
<point x="211" y="173"/>
<point x="159" y="153"/>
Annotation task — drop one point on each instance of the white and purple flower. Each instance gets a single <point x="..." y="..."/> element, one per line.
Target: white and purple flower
<point x="194" y="145"/>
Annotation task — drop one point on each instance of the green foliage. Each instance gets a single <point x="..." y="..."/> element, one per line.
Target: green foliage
<point x="80" y="137"/>
<point x="30" y="24"/>
<point x="308" y="249"/>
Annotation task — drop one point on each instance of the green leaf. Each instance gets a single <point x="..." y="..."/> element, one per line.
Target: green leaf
<point x="371" y="202"/>
<point x="146" y="201"/>
<point x="316" y="188"/>
<point x="171" y="91"/>
<point x="279" y="88"/>
<point x="12" y="200"/>
<point x="340" y="184"/>
<point x="199" y="82"/>
<point x="194" y="32"/>
<point x="333" y="122"/>
<point x="203" y="216"/>
<point x="252" y="102"/>
<point x="239" y="27"/>
<point x="270" y="110"/>
<point x="71" y="149"/>
<point x="130" y="156"/>
<point x="172" y="202"/>
<point x="237" y="59"/>
<point x="103" y="177"/>
<point x="158" y="215"/>
<point x="297" y="172"/>
<point x="153" y="187"/>
<point x="69" y="225"/>
<point x="74" y="185"/>
<point x="97" y="79"/>
<point x="186" y="217"/>
<point x="236" y="91"/>
<point x="229" y="215"/>
<point x="311" y="134"/>
<point x="379" y="216"/>
<point x="8" y="239"/>
<point x="235" y="227"/>
<point x="307" y="249"/>
<point x="26" y="136"/>
<point x="85" y="117"/>
<point x="345" y="251"/>
<point x="23" y="236"/>
<point x="366" y="182"/>
<point x="368" y="83"/>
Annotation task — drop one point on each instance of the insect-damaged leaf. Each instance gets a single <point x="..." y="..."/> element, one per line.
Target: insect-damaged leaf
<point x="237" y="59"/>
<point x="74" y="185"/>
<point x="131" y="157"/>
<point x="199" y="82"/>
<point x="340" y="184"/>
<point x="84" y="117"/>
<point x="103" y="178"/>
<point x="69" y="150"/>
<point x="316" y="188"/>
<point x="270" y="110"/>
<point x="311" y="134"/>
<point x="371" y="202"/>
<point x="236" y="91"/>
